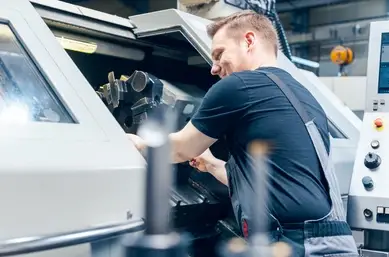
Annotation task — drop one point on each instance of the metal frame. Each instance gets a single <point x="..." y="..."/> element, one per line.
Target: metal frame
<point x="192" y="28"/>
<point x="73" y="15"/>
<point x="51" y="242"/>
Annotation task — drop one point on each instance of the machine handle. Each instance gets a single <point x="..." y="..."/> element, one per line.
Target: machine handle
<point x="43" y="243"/>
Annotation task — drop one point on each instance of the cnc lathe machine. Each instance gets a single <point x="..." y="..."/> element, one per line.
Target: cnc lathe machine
<point x="73" y="81"/>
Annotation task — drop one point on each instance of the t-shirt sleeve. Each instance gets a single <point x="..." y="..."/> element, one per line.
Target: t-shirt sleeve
<point x="223" y="105"/>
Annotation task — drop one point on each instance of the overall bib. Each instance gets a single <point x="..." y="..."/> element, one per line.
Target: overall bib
<point x="327" y="236"/>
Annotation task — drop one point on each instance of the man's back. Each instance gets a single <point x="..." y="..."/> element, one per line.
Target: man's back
<point x="297" y="187"/>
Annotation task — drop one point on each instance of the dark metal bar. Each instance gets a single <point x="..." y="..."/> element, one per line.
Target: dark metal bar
<point x="159" y="173"/>
<point x="51" y="242"/>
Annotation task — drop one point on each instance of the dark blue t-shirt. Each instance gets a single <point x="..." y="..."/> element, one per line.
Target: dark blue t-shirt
<point x="247" y="106"/>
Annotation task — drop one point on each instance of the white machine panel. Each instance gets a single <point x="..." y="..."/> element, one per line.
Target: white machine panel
<point x="368" y="205"/>
<point x="65" y="162"/>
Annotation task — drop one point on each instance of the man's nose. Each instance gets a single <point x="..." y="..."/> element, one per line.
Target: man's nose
<point x="215" y="69"/>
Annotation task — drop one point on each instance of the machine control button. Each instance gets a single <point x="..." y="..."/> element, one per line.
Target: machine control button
<point x="375" y="144"/>
<point x="372" y="161"/>
<point x="368" y="183"/>
<point x="382" y="102"/>
<point x="375" y="102"/>
<point x="375" y="107"/>
<point x="380" y="210"/>
<point x="378" y="122"/>
<point x="367" y="213"/>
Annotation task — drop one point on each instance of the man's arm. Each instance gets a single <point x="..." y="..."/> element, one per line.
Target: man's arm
<point x="218" y="170"/>
<point x="207" y="162"/>
<point x="189" y="143"/>
<point x="186" y="144"/>
<point x="222" y="107"/>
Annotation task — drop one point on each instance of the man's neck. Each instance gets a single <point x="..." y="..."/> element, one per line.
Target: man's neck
<point x="270" y="62"/>
<point x="265" y="65"/>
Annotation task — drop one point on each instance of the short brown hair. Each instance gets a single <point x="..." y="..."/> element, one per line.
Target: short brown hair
<point x="247" y="19"/>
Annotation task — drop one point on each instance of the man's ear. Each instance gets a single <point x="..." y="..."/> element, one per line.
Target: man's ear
<point x="249" y="39"/>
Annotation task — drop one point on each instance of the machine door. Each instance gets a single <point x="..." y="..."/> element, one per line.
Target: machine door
<point x="62" y="166"/>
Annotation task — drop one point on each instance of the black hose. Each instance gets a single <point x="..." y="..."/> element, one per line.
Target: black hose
<point x="271" y="13"/>
<point x="283" y="42"/>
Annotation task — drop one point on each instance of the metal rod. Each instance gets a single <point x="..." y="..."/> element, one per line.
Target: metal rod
<point x="159" y="173"/>
<point x="44" y="243"/>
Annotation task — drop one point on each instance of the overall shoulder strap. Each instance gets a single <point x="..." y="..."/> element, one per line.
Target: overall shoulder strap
<point x="290" y="96"/>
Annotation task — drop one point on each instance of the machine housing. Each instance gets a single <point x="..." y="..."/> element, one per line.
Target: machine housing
<point x="368" y="204"/>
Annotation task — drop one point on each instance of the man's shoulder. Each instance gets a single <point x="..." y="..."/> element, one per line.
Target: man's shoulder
<point x="260" y="76"/>
<point x="229" y="83"/>
<point x="224" y="89"/>
<point x="247" y="74"/>
<point x="234" y="78"/>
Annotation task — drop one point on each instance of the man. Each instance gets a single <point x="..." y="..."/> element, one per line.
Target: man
<point x="256" y="100"/>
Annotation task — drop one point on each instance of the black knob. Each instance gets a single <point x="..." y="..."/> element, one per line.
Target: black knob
<point x="367" y="213"/>
<point x="375" y="144"/>
<point x="372" y="161"/>
<point x="368" y="183"/>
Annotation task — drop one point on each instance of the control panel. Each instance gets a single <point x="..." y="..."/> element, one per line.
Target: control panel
<point x="368" y="203"/>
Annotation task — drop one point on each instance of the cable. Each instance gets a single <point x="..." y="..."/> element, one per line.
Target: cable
<point x="271" y="13"/>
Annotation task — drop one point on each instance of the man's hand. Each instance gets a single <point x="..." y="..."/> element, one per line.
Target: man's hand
<point x="139" y="143"/>
<point x="204" y="161"/>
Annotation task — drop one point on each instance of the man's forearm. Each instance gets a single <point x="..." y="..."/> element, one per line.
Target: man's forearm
<point x="218" y="170"/>
<point x="177" y="153"/>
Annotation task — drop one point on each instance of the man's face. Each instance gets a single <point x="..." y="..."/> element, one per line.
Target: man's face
<point x="229" y="54"/>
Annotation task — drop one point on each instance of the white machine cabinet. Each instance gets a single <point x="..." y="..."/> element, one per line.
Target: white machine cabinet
<point x="368" y="207"/>
<point x="63" y="167"/>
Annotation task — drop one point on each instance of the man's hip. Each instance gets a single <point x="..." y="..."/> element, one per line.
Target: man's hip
<point x="322" y="238"/>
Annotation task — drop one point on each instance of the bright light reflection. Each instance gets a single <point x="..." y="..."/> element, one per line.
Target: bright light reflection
<point x="15" y="113"/>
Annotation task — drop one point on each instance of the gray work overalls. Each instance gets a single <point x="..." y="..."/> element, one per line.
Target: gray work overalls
<point x="328" y="236"/>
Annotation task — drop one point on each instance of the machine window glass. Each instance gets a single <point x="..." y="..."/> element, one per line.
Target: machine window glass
<point x="334" y="131"/>
<point x="25" y="95"/>
<point x="383" y="80"/>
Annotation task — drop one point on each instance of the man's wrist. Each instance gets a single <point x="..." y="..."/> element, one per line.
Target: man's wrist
<point x="215" y="165"/>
